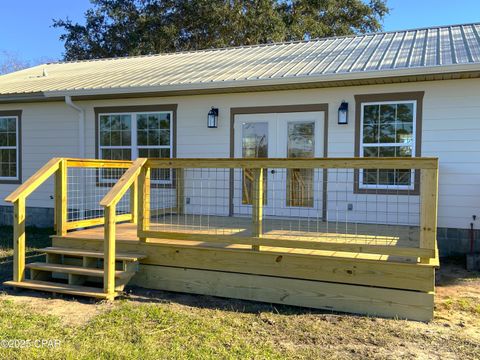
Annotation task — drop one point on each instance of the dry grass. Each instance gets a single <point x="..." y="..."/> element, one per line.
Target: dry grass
<point x="156" y="325"/>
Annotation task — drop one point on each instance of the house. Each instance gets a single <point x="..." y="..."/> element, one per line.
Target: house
<point x="406" y="94"/>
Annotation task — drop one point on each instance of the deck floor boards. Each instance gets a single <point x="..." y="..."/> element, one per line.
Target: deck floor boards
<point x="361" y="234"/>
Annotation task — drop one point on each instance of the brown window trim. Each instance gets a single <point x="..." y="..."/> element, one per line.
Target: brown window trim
<point x="137" y="109"/>
<point x="280" y="109"/>
<point x="402" y="96"/>
<point x="18" y="114"/>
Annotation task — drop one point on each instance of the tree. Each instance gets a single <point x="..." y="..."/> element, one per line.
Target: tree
<point x="137" y="27"/>
<point x="11" y="62"/>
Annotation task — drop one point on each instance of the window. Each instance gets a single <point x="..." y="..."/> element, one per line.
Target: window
<point x="9" y="147"/>
<point x="388" y="129"/>
<point x="126" y="136"/>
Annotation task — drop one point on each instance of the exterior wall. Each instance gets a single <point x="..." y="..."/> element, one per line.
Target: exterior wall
<point x="451" y="129"/>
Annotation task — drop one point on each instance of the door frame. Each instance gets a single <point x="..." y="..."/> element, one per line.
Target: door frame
<point x="278" y="109"/>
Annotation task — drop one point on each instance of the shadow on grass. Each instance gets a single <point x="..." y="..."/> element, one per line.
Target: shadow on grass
<point x="36" y="238"/>
<point x="453" y="271"/>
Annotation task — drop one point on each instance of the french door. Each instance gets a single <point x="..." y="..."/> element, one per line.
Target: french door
<point x="287" y="192"/>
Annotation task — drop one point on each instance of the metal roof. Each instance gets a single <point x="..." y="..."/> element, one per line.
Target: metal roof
<point x="419" y="51"/>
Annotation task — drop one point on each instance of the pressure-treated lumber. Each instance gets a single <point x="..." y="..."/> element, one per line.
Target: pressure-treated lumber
<point x="143" y="200"/>
<point x="123" y="184"/>
<point x="134" y="201"/>
<point x="257" y="206"/>
<point x="61" y="198"/>
<point x="348" y="270"/>
<point x="109" y="251"/>
<point x="79" y="252"/>
<point x="312" y="163"/>
<point x="99" y="163"/>
<point x="71" y="269"/>
<point x="314" y="294"/>
<point x="19" y="218"/>
<point x="428" y="209"/>
<point x="96" y="221"/>
<point x="180" y="190"/>
<point x="35" y="180"/>
<point x="61" y="288"/>
<point x="294" y="244"/>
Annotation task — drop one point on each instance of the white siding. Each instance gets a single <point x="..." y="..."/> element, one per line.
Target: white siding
<point x="451" y="131"/>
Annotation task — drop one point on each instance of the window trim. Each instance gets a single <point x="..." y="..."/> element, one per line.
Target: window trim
<point x="17" y="114"/>
<point x="402" y="97"/>
<point x="134" y="110"/>
<point x="396" y="144"/>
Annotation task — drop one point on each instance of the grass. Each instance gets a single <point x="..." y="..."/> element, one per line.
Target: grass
<point x="162" y="325"/>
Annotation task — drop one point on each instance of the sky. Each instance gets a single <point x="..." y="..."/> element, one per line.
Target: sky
<point x="26" y="31"/>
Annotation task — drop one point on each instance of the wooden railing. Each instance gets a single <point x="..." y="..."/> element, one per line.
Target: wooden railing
<point x="109" y="202"/>
<point x="428" y="194"/>
<point x="137" y="179"/>
<point x="57" y="167"/>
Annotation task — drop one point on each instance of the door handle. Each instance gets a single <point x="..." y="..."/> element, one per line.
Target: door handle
<point x="272" y="171"/>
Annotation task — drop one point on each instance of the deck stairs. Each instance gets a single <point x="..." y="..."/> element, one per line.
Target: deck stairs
<point x="77" y="272"/>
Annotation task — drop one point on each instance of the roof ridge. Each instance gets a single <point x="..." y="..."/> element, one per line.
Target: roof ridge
<point x="290" y="42"/>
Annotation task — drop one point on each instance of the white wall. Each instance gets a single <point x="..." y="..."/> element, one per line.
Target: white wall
<point x="451" y="131"/>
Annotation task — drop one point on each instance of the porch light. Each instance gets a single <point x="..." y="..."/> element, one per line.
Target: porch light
<point x="212" y="120"/>
<point x="343" y="113"/>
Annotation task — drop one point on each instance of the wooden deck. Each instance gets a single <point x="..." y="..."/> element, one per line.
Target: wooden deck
<point x="361" y="234"/>
<point x="359" y="282"/>
<point x="374" y="269"/>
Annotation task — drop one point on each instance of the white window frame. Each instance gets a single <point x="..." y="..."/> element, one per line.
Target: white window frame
<point x="134" y="147"/>
<point x="16" y="148"/>
<point x="362" y="146"/>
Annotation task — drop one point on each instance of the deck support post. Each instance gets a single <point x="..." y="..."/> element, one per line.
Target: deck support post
<point x="61" y="198"/>
<point x="143" y="202"/>
<point x="257" y="206"/>
<point x="428" y="210"/>
<point x="134" y="202"/>
<point x="109" y="252"/>
<point x="19" y="240"/>
<point x="180" y="188"/>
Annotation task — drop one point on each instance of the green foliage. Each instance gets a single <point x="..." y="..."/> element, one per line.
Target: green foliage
<point x="116" y="28"/>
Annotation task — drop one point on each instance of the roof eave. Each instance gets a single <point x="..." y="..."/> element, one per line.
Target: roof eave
<point x="287" y="82"/>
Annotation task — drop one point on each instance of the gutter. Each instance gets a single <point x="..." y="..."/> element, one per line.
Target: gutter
<point x="81" y="126"/>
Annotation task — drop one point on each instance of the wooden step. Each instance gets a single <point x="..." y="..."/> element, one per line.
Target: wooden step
<point x="60" y="288"/>
<point x="91" y="253"/>
<point x="70" y="269"/>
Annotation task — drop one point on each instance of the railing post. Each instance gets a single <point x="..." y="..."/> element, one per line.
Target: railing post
<point x="257" y="206"/>
<point x="61" y="199"/>
<point x="19" y="239"/>
<point x="143" y="202"/>
<point x="109" y="252"/>
<point x="180" y="188"/>
<point x="428" y="212"/>
<point x="134" y="201"/>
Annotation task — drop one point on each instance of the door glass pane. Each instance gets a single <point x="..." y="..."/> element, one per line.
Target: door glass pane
<point x="300" y="144"/>
<point x="254" y="145"/>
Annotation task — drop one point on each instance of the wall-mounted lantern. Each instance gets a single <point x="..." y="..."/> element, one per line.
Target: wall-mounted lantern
<point x="343" y="113"/>
<point x="212" y="119"/>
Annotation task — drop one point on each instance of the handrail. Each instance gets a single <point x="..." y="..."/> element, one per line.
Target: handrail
<point x="123" y="184"/>
<point x="295" y="163"/>
<point x="98" y="163"/>
<point x="109" y="202"/>
<point x="35" y="180"/>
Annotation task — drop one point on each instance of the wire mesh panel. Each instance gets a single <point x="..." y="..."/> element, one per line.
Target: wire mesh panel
<point x="331" y="205"/>
<point x="86" y="186"/>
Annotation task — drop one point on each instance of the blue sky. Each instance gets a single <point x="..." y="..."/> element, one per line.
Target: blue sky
<point x="25" y="25"/>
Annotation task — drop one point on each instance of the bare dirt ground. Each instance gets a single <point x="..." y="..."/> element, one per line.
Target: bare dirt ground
<point x="454" y="333"/>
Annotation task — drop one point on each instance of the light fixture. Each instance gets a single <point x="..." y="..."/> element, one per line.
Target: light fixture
<point x="343" y="113"/>
<point x="212" y="119"/>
